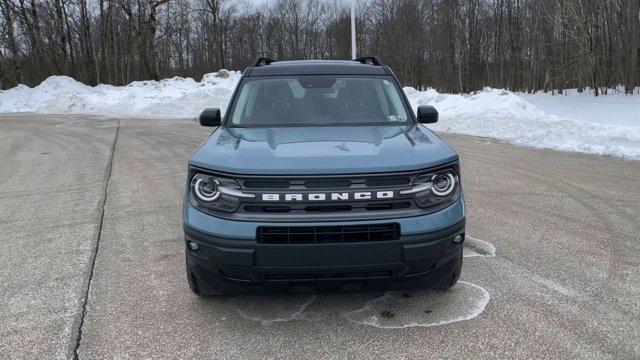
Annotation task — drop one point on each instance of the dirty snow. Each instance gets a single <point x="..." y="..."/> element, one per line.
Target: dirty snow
<point x="606" y="125"/>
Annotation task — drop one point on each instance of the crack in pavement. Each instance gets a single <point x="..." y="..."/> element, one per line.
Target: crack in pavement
<point x="85" y="300"/>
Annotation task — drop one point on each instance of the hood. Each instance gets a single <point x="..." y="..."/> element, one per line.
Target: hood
<point x="322" y="150"/>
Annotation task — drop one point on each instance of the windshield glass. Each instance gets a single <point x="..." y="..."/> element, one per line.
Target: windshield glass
<point x="319" y="100"/>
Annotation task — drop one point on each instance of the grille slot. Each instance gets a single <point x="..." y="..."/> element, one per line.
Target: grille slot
<point x="267" y="209"/>
<point x="327" y="234"/>
<point x="330" y="276"/>
<point x="328" y="184"/>
<point x="267" y="184"/>
<point x="328" y="208"/>
<point x="392" y="181"/>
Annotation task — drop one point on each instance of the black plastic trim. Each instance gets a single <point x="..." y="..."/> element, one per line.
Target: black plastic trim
<point x="228" y="266"/>
<point x="373" y="60"/>
<point x="262" y="61"/>
<point x="200" y="237"/>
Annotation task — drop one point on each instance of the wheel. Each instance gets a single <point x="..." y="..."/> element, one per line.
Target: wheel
<point x="453" y="279"/>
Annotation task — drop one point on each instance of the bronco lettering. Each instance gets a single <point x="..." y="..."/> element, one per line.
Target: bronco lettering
<point x="361" y="195"/>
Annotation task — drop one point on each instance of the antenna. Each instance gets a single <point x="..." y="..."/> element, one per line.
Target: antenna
<point x="353" y="29"/>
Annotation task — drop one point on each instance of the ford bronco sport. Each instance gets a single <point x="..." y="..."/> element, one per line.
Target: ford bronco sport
<point x="321" y="178"/>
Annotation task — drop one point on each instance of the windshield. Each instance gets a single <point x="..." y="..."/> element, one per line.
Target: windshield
<point x="319" y="100"/>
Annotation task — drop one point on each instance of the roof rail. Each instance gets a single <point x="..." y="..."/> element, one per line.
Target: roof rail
<point x="262" y="61"/>
<point x="371" y="60"/>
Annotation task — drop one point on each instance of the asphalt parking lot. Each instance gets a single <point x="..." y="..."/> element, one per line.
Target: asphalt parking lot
<point x="93" y="260"/>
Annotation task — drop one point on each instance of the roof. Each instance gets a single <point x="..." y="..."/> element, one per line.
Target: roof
<point x="316" y="67"/>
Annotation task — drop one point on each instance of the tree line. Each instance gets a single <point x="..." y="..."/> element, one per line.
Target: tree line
<point x="450" y="45"/>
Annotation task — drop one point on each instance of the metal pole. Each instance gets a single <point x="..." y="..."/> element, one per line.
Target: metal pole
<point x="353" y="29"/>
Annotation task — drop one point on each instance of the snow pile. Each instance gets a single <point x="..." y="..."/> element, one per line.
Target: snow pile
<point x="490" y="103"/>
<point x="615" y="108"/>
<point x="503" y="115"/>
<point x="607" y="125"/>
<point x="168" y="98"/>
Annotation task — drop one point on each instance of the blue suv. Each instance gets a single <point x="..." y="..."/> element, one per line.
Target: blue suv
<point x="320" y="178"/>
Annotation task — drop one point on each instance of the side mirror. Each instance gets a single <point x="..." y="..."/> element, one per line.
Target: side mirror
<point x="427" y="114"/>
<point x="210" y="117"/>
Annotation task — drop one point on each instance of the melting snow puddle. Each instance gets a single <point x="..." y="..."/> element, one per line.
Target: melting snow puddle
<point x="396" y="310"/>
<point x="392" y="310"/>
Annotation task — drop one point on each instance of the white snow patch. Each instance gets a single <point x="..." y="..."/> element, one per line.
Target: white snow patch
<point x="552" y="285"/>
<point x="268" y="310"/>
<point x="396" y="310"/>
<point x="615" y="108"/>
<point x="503" y="115"/>
<point x="605" y="125"/>
<point x="169" y="98"/>
<point x="476" y="247"/>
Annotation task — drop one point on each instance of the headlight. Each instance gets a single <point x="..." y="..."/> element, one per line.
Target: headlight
<point x="443" y="183"/>
<point x="435" y="188"/>
<point x="206" y="190"/>
<point x="216" y="193"/>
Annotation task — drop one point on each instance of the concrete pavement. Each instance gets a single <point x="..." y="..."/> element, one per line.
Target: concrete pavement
<point x="564" y="281"/>
<point x="52" y="184"/>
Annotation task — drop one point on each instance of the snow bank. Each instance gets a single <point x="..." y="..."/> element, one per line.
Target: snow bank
<point x="503" y="115"/>
<point x="615" y="108"/>
<point x="607" y="125"/>
<point x="169" y="98"/>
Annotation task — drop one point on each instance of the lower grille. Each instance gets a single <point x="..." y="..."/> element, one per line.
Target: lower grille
<point x="328" y="208"/>
<point x="327" y="234"/>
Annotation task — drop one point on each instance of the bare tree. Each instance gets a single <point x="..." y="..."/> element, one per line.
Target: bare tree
<point x="451" y="45"/>
<point x="7" y="10"/>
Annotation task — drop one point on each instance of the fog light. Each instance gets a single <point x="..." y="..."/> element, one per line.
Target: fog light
<point x="194" y="246"/>
<point x="457" y="239"/>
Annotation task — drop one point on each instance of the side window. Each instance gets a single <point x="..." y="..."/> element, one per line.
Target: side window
<point x="396" y="110"/>
<point x="246" y="100"/>
<point x="382" y="98"/>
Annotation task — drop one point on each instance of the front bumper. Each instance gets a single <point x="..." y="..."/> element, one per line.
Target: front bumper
<point x="424" y="256"/>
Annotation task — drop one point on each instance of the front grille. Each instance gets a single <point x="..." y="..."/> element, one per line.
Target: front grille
<point x="329" y="210"/>
<point x="287" y="198"/>
<point x="327" y="234"/>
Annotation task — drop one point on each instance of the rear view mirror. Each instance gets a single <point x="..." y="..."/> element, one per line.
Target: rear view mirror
<point x="427" y="114"/>
<point x="210" y="117"/>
